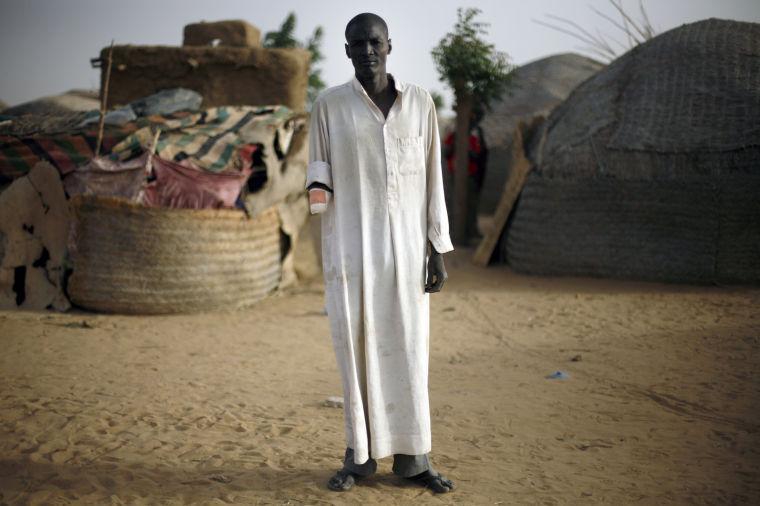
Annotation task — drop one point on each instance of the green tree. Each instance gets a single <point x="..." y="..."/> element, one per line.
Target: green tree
<point x="477" y="73"/>
<point x="285" y="38"/>
<point x="316" y="84"/>
<point x="438" y="100"/>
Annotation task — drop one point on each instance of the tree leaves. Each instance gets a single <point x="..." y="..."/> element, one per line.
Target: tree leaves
<point x="437" y="99"/>
<point x="285" y="38"/>
<point x="469" y="64"/>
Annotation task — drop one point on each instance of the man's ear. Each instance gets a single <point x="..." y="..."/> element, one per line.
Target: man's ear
<point x="390" y="47"/>
<point x="347" y="53"/>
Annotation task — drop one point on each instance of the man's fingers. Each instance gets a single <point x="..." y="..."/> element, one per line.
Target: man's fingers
<point x="430" y="281"/>
<point x="436" y="285"/>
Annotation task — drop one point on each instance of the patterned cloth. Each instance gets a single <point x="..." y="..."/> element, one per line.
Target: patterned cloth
<point x="61" y="141"/>
<point x="213" y="138"/>
<point x="216" y="139"/>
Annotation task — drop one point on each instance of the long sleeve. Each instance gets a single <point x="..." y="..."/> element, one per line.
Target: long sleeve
<point x="319" y="169"/>
<point x="438" y="220"/>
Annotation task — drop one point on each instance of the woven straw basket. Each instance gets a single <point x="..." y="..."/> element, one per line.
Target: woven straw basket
<point x="142" y="260"/>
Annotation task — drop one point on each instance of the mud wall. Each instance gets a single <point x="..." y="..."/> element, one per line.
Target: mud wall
<point x="223" y="75"/>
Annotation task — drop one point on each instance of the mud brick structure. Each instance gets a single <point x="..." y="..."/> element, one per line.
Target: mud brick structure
<point x="228" y="33"/>
<point x="223" y="74"/>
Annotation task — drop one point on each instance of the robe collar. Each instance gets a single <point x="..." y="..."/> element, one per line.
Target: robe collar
<point x="400" y="88"/>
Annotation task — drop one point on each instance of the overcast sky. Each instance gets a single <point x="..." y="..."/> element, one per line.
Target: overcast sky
<point x="46" y="45"/>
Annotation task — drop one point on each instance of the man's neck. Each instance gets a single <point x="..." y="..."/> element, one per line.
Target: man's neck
<point x="375" y="85"/>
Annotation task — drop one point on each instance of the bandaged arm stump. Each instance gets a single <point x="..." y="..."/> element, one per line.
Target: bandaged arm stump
<point x="318" y="172"/>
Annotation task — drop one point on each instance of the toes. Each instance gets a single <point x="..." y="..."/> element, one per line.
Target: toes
<point x="341" y="481"/>
<point x="447" y="483"/>
<point x="435" y="482"/>
<point x="438" y="488"/>
<point x="441" y="486"/>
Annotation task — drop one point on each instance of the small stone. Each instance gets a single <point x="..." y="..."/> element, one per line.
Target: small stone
<point x="84" y="324"/>
<point x="558" y="375"/>
<point x="221" y="478"/>
<point x="334" y="402"/>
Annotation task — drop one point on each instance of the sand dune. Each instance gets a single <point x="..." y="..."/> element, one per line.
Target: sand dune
<point x="660" y="406"/>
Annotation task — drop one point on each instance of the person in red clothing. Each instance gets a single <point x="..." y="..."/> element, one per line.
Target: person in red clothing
<point x="476" y="169"/>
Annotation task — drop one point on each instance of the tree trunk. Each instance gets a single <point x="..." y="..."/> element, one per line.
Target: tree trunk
<point x="462" y="148"/>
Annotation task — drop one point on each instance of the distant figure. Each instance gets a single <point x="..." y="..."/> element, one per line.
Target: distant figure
<point x="476" y="169"/>
<point x="375" y="175"/>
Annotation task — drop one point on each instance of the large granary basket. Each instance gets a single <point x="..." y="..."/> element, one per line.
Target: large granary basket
<point x="133" y="259"/>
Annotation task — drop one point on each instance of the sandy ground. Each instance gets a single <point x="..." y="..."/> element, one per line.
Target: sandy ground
<point x="660" y="406"/>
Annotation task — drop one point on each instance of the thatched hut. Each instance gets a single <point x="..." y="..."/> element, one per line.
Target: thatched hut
<point x="537" y="88"/>
<point x="651" y="168"/>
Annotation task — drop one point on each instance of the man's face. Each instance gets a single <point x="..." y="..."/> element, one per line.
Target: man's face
<point x="368" y="47"/>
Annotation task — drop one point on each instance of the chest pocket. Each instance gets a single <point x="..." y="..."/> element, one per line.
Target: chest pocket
<point x="411" y="159"/>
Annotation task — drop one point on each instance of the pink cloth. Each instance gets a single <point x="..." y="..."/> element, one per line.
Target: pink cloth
<point x="181" y="185"/>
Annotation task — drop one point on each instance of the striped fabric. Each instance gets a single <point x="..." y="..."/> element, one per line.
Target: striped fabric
<point x="212" y="138"/>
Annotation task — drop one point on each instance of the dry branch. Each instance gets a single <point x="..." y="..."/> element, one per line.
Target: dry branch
<point x="636" y="32"/>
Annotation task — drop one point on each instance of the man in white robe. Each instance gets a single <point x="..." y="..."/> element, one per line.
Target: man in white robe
<point x="375" y="174"/>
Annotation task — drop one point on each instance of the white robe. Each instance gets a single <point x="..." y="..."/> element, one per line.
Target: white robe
<point x="388" y="201"/>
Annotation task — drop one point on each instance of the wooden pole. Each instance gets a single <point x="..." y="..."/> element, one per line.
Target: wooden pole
<point x="461" y="152"/>
<point x="519" y="167"/>
<point x="104" y="100"/>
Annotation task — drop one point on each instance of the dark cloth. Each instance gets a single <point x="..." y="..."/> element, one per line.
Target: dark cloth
<point x="405" y="466"/>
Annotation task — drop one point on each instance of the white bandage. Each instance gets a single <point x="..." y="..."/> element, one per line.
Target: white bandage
<point x="318" y="200"/>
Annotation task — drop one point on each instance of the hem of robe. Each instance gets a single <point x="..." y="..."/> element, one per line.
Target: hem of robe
<point x="392" y="445"/>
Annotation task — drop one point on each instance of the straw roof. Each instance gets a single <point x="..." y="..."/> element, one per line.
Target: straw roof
<point x="690" y="91"/>
<point x="649" y="169"/>
<point x="536" y="88"/>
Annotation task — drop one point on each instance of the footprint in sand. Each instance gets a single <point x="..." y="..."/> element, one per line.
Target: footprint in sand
<point x="60" y="456"/>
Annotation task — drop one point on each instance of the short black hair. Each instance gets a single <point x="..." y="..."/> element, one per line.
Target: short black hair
<point x="366" y="16"/>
